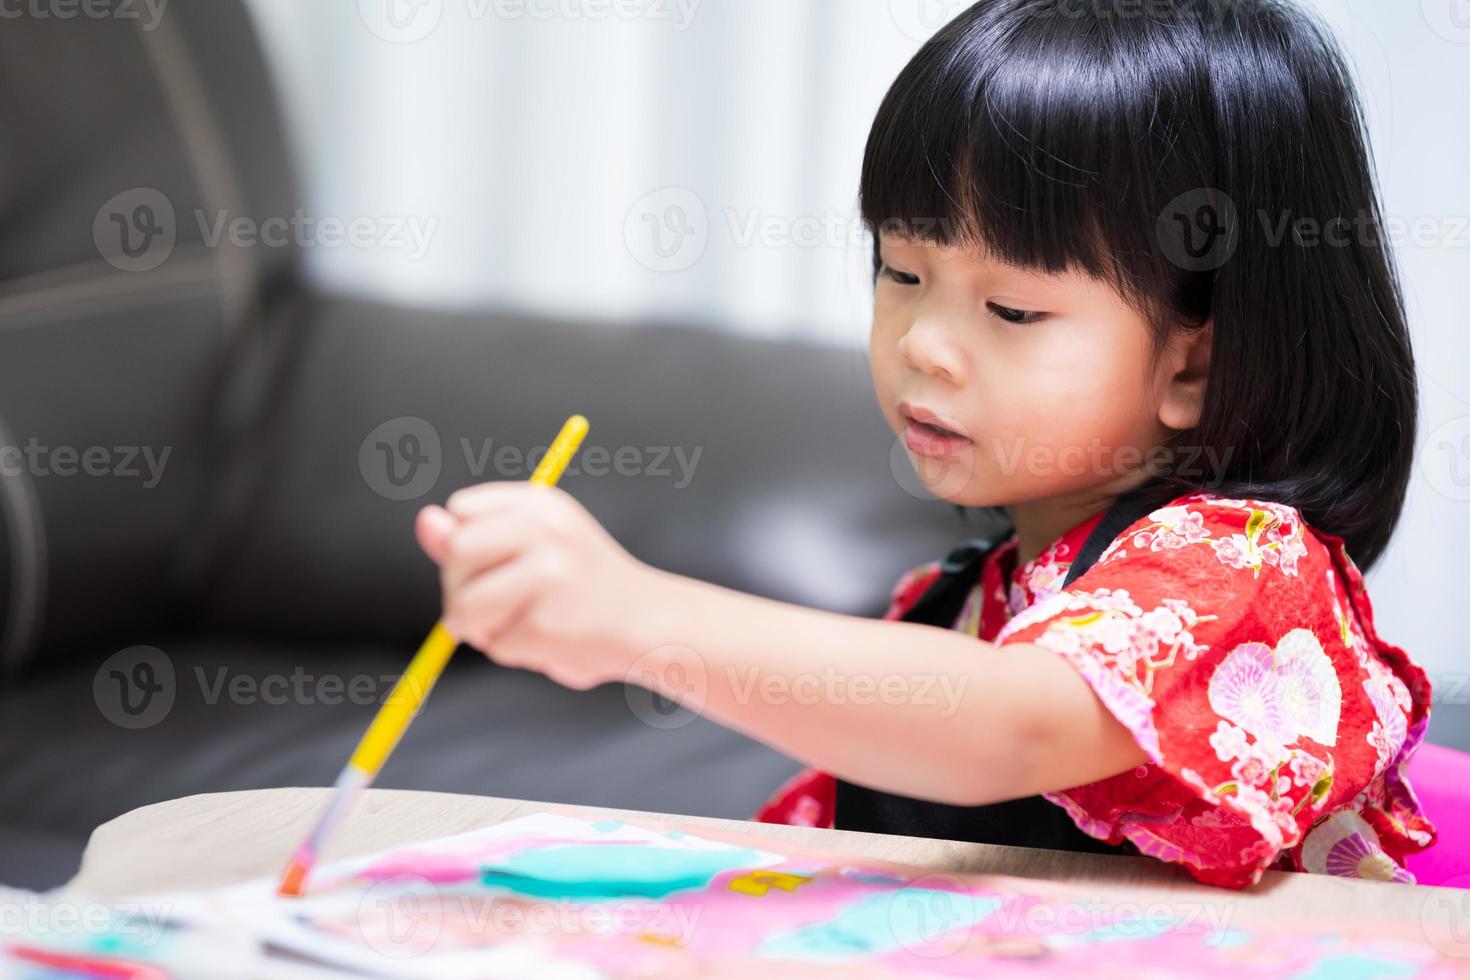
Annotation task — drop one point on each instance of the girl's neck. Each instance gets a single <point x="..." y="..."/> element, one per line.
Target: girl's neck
<point x="1040" y="522"/>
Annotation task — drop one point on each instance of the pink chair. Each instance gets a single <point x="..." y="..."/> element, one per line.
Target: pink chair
<point x="1441" y="781"/>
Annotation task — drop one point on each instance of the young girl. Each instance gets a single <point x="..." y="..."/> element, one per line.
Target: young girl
<point x="1129" y="286"/>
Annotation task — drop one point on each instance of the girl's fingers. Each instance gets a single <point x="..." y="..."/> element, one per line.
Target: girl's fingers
<point x="486" y="605"/>
<point x="433" y="528"/>
<point x="482" y="544"/>
<point x="485" y="499"/>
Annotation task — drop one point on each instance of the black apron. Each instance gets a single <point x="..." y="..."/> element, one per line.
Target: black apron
<point x="1032" y="821"/>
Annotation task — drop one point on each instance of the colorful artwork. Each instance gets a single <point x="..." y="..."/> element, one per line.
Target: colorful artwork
<point x="555" y="896"/>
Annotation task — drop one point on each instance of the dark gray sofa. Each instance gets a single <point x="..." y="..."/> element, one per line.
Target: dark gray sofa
<point x="266" y="561"/>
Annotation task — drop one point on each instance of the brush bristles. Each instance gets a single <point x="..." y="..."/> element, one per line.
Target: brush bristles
<point x="293" y="882"/>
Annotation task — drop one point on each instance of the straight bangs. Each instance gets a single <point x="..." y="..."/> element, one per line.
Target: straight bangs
<point x="1023" y="133"/>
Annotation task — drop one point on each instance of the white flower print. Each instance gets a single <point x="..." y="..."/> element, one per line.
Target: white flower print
<point x="1390" y="727"/>
<point x="1279" y="694"/>
<point x="1273" y="536"/>
<point x="1172" y="527"/>
<point x="1345" y="844"/>
<point x="1229" y="741"/>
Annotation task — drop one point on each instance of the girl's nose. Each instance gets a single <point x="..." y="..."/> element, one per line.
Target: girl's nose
<point x="928" y="347"/>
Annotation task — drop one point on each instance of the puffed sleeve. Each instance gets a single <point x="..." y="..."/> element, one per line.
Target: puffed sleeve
<point x="1219" y="632"/>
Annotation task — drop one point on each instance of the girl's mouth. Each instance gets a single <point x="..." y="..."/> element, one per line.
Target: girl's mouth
<point x="925" y="435"/>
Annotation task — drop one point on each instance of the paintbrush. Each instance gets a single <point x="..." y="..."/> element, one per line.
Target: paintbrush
<point x="407" y="696"/>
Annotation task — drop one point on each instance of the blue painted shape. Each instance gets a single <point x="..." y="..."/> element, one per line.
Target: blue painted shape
<point x="598" y="872"/>
<point x="906" y="919"/>
<point x="1227" y="938"/>
<point x="606" y="826"/>
<point x="1349" y="966"/>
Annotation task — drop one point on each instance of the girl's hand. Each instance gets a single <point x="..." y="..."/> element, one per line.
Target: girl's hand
<point x="532" y="580"/>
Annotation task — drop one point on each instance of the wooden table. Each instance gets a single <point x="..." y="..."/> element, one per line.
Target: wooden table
<point x="223" y="838"/>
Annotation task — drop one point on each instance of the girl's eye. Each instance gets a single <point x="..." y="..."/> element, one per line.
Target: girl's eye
<point x="1014" y="316"/>
<point x="902" y="278"/>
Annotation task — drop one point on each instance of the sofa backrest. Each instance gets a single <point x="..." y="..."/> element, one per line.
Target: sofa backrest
<point x="128" y="136"/>
<point x="756" y="464"/>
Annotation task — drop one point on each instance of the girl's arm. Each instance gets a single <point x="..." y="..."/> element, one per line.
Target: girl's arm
<point x="533" y="580"/>
<point x="901" y="707"/>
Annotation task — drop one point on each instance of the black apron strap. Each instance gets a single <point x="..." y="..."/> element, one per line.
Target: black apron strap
<point x="941" y="603"/>
<point x="1128" y="508"/>
<point x="1028" y="822"/>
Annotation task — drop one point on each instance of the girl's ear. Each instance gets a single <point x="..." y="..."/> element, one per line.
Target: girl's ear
<point x="1186" y="370"/>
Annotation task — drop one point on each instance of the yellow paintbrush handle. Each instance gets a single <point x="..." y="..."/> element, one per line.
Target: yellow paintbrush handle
<point x="409" y="693"/>
<point x="403" y="703"/>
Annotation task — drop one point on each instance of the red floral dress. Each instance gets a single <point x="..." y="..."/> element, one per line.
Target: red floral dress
<point x="1237" y="644"/>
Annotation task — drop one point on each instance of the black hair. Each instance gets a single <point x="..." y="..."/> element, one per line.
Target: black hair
<point x="1208" y="158"/>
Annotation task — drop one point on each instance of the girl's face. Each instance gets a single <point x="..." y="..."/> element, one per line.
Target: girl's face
<point x="1041" y="386"/>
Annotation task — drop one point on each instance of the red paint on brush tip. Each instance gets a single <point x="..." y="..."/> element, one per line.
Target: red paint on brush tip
<point x="293" y="881"/>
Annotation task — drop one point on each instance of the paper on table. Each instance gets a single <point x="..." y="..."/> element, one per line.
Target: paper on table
<point x="557" y="896"/>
